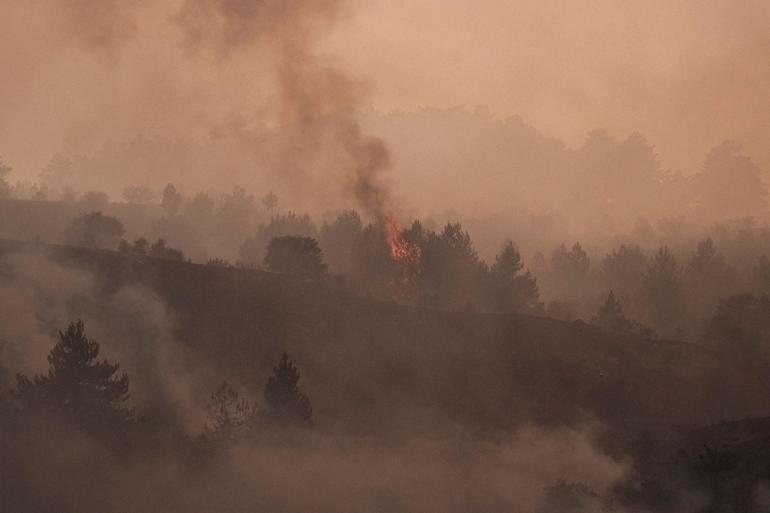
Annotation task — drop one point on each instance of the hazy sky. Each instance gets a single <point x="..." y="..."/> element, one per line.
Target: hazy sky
<point x="685" y="73"/>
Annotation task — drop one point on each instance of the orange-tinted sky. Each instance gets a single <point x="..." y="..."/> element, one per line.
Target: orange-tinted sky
<point x="685" y="73"/>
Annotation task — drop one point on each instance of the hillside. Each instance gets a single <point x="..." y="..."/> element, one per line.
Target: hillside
<point x="370" y="366"/>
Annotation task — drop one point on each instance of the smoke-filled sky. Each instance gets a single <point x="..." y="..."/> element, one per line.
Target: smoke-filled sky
<point x="687" y="74"/>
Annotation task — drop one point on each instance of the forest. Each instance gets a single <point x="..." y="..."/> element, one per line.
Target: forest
<point x="330" y="256"/>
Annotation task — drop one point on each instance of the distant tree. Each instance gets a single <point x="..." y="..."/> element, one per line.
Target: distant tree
<point x="740" y="327"/>
<point x="730" y="184"/>
<point x="298" y="256"/>
<point x="662" y="293"/>
<point x="138" y="194"/>
<point x="610" y="317"/>
<point x="510" y="288"/>
<point x="227" y="413"/>
<point x="140" y="246"/>
<point x="270" y="201"/>
<point x="623" y="269"/>
<point x="237" y="206"/>
<point x="94" y="230"/>
<point x="285" y="401"/>
<point x="94" y="200"/>
<point x="201" y="206"/>
<point x="338" y="238"/>
<point x="708" y="278"/>
<point x="253" y="249"/>
<point x="573" y="262"/>
<point x="68" y="195"/>
<point x="77" y="387"/>
<point x="40" y="193"/>
<point x="160" y="250"/>
<point x="451" y="273"/>
<point x="5" y="189"/>
<point x="171" y="201"/>
<point x="218" y="262"/>
<point x="372" y="263"/>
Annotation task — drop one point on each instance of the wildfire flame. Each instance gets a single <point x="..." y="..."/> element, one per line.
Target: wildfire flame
<point x="401" y="250"/>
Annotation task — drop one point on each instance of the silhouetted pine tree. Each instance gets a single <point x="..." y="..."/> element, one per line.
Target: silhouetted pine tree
<point x="286" y="403"/>
<point x="77" y="388"/>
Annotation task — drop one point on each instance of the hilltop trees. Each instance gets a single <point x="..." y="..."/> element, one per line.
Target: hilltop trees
<point x="158" y="249"/>
<point x="94" y="200"/>
<point x="5" y="189"/>
<point x="450" y="269"/>
<point x="171" y="201"/>
<point x="730" y="184"/>
<point x="270" y="202"/>
<point x="662" y="293"/>
<point x="610" y="317"/>
<point x="94" y="230"/>
<point x="138" y="194"/>
<point x="708" y="278"/>
<point x="298" y="256"/>
<point x="77" y="387"/>
<point x="510" y="288"/>
<point x="338" y="238"/>
<point x="253" y="249"/>
<point x="623" y="269"/>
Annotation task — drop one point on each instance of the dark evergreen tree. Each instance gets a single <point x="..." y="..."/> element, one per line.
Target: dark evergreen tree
<point x="253" y="249"/>
<point x="662" y="294"/>
<point x="77" y="388"/>
<point x="610" y="317"/>
<point x="337" y="240"/>
<point x="510" y="288"/>
<point x="94" y="230"/>
<point x="171" y="200"/>
<point x="451" y="273"/>
<point x="298" y="256"/>
<point x="285" y="401"/>
<point x="623" y="270"/>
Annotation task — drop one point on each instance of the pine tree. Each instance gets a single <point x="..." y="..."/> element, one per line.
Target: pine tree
<point x="77" y="387"/>
<point x="286" y="403"/>
<point x="610" y="315"/>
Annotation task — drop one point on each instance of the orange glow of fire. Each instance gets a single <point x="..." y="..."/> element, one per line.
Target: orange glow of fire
<point x="401" y="250"/>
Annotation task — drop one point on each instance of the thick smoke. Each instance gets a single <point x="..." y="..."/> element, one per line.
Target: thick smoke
<point x="133" y="326"/>
<point x="326" y="470"/>
<point x="317" y="102"/>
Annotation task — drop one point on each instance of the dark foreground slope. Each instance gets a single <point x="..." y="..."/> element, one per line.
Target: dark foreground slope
<point x="370" y="366"/>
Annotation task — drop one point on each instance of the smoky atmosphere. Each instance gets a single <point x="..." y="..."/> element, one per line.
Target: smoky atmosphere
<point x="349" y="256"/>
